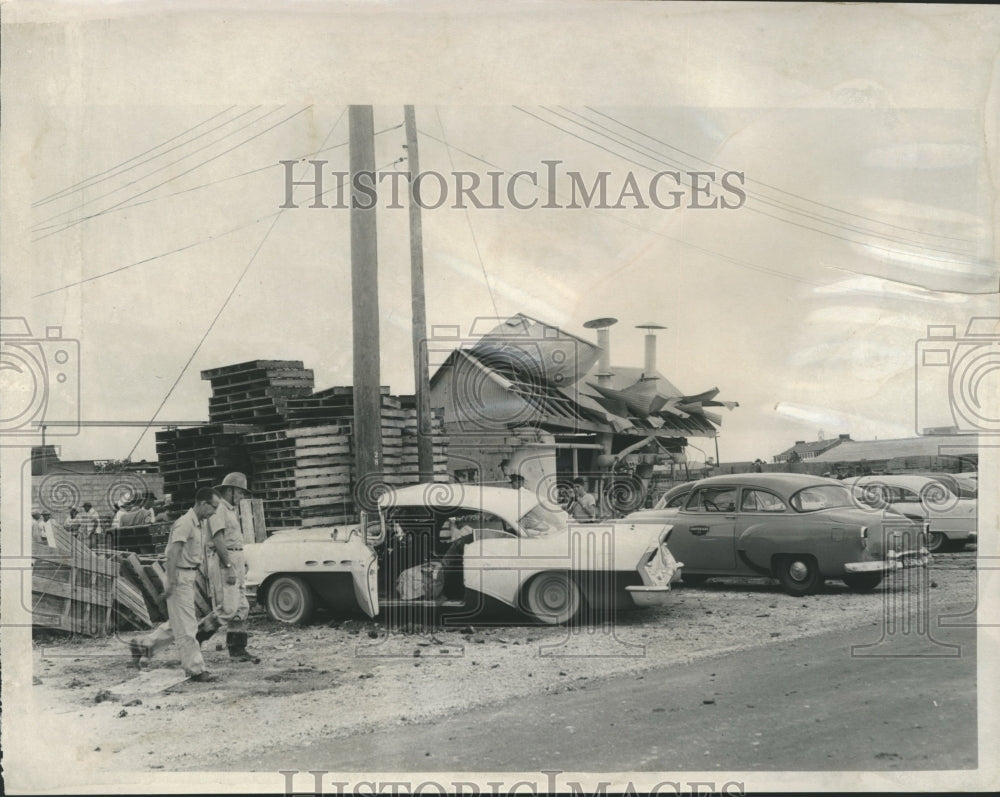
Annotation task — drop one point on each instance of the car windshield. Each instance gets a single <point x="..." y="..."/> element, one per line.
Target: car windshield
<point x="541" y="520"/>
<point x="822" y="496"/>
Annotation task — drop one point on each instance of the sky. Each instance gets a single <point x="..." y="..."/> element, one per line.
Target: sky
<point x="144" y="220"/>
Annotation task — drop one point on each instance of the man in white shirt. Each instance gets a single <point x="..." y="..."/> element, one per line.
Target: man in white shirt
<point x="583" y="505"/>
<point x="91" y="526"/>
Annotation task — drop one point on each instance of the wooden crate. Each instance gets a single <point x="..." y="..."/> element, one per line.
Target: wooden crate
<point x="72" y="590"/>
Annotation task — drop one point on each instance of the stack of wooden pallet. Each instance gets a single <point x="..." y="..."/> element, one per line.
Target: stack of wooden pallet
<point x="408" y="469"/>
<point x="294" y="445"/>
<point x="200" y="456"/>
<point x="306" y="473"/>
<point x="303" y="474"/>
<point x="256" y="392"/>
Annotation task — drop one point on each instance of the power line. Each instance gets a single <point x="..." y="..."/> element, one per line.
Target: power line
<point x="620" y="220"/>
<point x="186" y="247"/>
<point x="154" y="257"/>
<point x="747" y="207"/>
<point x="218" y="314"/>
<point x="155" y="171"/>
<point x="78" y="186"/>
<point x="182" y="174"/>
<point x="222" y="180"/>
<point x="468" y="220"/>
<point x="775" y="203"/>
<point x="780" y="190"/>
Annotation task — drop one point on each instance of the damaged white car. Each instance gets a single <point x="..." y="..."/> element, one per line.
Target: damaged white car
<point x="447" y="545"/>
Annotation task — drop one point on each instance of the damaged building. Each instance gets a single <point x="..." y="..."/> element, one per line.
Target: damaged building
<point x="526" y="398"/>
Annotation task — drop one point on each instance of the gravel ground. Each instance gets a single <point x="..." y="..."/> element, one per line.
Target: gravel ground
<point x="342" y="677"/>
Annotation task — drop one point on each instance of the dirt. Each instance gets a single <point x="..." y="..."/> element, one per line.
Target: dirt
<point x="344" y="677"/>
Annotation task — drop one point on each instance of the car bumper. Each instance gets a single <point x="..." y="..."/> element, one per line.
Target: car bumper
<point x="894" y="561"/>
<point x="648" y="596"/>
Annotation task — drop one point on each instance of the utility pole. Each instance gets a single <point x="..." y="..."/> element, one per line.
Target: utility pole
<point x="364" y="296"/>
<point x="421" y="378"/>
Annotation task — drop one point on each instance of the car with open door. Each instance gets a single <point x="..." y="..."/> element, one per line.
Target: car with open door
<point x="449" y="544"/>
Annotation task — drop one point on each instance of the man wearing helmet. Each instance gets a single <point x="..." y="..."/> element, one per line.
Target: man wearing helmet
<point x="226" y="566"/>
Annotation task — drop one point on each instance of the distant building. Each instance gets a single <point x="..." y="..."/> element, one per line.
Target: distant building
<point x="802" y="450"/>
<point x="932" y="452"/>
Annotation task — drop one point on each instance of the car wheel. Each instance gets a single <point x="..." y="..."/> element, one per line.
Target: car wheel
<point x="863" y="582"/>
<point x="693" y="579"/>
<point x="290" y="600"/>
<point x="799" y="575"/>
<point x="937" y="542"/>
<point x="553" y="598"/>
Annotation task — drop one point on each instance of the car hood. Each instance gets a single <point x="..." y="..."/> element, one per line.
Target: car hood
<point x="314" y="534"/>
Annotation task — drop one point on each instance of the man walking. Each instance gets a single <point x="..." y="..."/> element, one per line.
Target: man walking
<point x="226" y="566"/>
<point x="185" y="555"/>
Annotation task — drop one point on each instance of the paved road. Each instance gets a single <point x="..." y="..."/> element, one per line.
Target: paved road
<point x="806" y="704"/>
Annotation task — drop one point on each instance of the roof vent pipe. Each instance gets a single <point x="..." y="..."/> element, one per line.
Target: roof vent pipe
<point x="602" y="325"/>
<point x="649" y="366"/>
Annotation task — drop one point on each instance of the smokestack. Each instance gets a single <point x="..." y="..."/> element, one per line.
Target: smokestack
<point x="649" y="367"/>
<point x="602" y="325"/>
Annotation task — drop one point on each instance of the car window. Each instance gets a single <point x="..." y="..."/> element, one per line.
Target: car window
<point x="712" y="499"/>
<point x="902" y="495"/>
<point x="676" y="501"/>
<point x="761" y="501"/>
<point x="825" y="496"/>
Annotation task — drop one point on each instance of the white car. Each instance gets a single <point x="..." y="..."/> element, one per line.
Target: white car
<point x="951" y="518"/>
<point x="513" y="549"/>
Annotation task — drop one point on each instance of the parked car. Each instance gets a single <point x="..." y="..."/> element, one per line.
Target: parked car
<point x="797" y="528"/>
<point x="951" y="518"/>
<point x="964" y="485"/>
<point x="521" y="552"/>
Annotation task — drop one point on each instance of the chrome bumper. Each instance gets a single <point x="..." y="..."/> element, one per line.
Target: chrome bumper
<point x="648" y="596"/>
<point x="893" y="561"/>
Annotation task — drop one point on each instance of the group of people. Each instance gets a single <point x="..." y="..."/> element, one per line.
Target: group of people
<point x="86" y="526"/>
<point x="135" y="512"/>
<point x="208" y="536"/>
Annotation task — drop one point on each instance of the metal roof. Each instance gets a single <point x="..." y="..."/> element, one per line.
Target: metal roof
<point x="928" y="446"/>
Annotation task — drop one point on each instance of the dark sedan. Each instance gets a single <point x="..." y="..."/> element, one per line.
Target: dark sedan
<point x="796" y="528"/>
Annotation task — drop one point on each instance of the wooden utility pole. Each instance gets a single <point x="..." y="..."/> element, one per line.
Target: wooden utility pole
<point x="421" y="378"/>
<point x="364" y="295"/>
